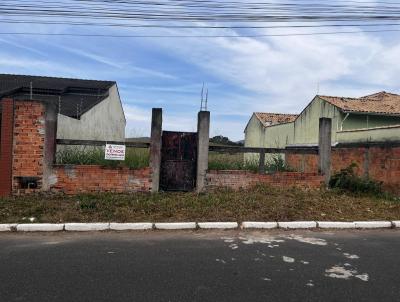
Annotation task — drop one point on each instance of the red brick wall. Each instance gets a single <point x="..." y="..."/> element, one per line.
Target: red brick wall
<point x="29" y="133"/>
<point x="74" y="179"/>
<point x="236" y="179"/>
<point x="6" y="145"/>
<point x="379" y="163"/>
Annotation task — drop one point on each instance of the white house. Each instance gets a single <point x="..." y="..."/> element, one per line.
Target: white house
<point x="87" y="109"/>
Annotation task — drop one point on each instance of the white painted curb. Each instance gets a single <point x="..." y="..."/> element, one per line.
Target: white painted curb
<point x="85" y="227"/>
<point x="297" y="225"/>
<point x="259" y="225"/>
<point x="40" y="227"/>
<point x="130" y="226"/>
<point x="175" y="225"/>
<point x="336" y="225"/>
<point x="218" y="225"/>
<point x="7" y="227"/>
<point x="396" y="223"/>
<point x="372" y="224"/>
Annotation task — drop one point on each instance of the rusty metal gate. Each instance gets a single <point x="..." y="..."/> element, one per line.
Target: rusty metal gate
<point x="178" y="161"/>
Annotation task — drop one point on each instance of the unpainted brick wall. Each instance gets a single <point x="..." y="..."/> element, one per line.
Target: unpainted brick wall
<point x="74" y="179"/>
<point x="378" y="163"/>
<point x="237" y="179"/>
<point x="28" y="145"/>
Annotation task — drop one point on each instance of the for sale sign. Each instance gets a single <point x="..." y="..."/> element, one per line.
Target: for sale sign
<point x="115" y="152"/>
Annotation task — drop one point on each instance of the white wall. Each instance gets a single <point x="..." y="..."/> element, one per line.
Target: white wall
<point x="105" y="121"/>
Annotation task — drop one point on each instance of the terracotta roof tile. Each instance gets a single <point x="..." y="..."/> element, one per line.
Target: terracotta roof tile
<point x="381" y="103"/>
<point x="268" y="119"/>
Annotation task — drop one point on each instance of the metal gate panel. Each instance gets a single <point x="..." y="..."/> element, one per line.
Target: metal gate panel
<point x="178" y="161"/>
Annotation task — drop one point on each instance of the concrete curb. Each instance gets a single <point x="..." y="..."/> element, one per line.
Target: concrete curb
<point x="114" y="226"/>
<point x="7" y="227"/>
<point x="175" y="225"/>
<point x="141" y="226"/>
<point x="335" y="225"/>
<point x="396" y="223"/>
<point x="40" y="227"/>
<point x="86" y="227"/>
<point x="259" y="225"/>
<point x="218" y="225"/>
<point x="372" y="224"/>
<point x="297" y="225"/>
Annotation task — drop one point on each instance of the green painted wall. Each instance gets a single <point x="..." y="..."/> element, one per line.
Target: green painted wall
<point x="391" y="133"/>
<point x="360" y="121"/>
<point x="306" y="126"/>
<point x="276" y="136"/>
<point x="304" y="130"/>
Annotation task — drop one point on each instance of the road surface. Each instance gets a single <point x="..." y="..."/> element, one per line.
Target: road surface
<point x="201" y="266"/>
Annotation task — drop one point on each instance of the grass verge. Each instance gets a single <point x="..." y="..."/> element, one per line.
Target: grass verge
<point x="261" y="203"/>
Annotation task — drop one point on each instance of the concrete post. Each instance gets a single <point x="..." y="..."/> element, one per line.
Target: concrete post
<point x="50" y="145"/>
<point x="325" y="148"/>
<point x="155" y="148"/>
<point x="203" y="139"/>
<point x="261" y="163"/>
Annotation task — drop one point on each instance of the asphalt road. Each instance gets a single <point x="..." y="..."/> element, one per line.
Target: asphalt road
<point x="201" y="266"/>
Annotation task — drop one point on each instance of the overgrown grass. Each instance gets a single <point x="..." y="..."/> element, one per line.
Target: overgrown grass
<point x="225" y="161"/>
<point x="261" y="203"/>
<point x="135" y="158"/>
<point x="237" y="161"/>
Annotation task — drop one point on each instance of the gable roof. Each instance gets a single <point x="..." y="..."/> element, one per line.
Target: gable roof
<point x="269" y="119"/>
<point x="381" y="103"/>
<point x="75" y="96"/>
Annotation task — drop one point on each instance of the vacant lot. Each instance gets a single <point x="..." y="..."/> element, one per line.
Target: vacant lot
<point x="261" y="203"/>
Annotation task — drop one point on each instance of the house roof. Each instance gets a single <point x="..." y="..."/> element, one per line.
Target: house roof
<point x="269" y="119"/>
<point x="381" y="103"/>
<point x="75" y="96"/>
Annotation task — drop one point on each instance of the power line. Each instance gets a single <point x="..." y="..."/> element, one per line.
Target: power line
<point x="193" y="26"/>
<point x="196" y="36"/>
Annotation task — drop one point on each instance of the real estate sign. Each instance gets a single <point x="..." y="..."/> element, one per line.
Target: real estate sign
<point x="115" y="152"/>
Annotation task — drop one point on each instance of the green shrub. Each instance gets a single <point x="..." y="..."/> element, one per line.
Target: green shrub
<point x="346" y="179"/>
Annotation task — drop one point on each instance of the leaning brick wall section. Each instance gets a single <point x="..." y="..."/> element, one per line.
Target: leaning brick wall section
<point x="29" y="133"/>
<point x="6" y="145"/>
<point x="236" y="179"/>
<point x="379" y="163"/>
<point x="75" y="179"/>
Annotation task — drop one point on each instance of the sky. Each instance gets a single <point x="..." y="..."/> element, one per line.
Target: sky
<point x="243" y="75"/>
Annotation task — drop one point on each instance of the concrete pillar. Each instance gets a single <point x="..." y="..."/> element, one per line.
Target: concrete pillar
<point x="6" y="146"/>
<point x="325" y="148"/>
<point x="155" y="148"/>
<point x="203" y="139"/>
<point x="261" y="163"/>
<point x="50" y="145"/>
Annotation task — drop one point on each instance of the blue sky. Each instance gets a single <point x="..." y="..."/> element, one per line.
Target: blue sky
<point x="243" y="75"/>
